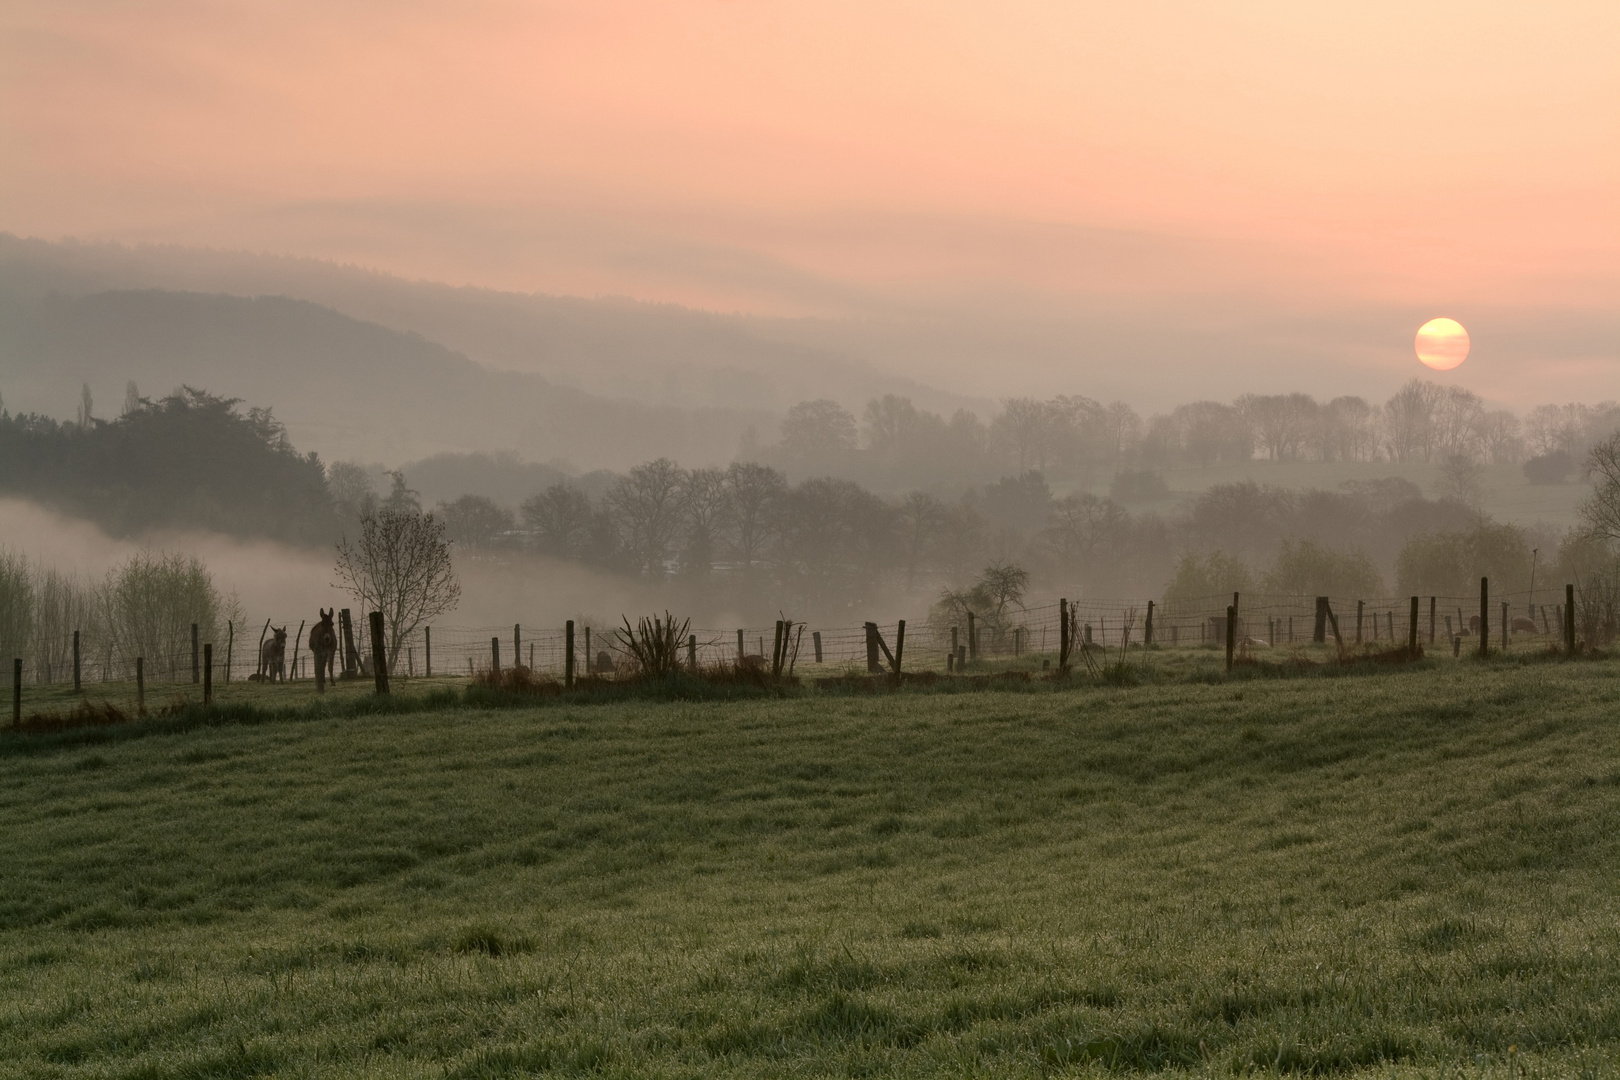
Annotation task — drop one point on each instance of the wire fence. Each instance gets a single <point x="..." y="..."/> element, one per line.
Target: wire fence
<point x="1019" y="635"/>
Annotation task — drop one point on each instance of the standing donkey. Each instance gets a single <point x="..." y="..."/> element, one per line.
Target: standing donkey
<point x="273" y="656"/>
<point x="323" y="642"/>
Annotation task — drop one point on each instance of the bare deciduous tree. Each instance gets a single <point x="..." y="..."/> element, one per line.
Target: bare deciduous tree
<point x="648" y="502"/>
<point x="1602" y="509"/>
<point x="401" y="567"/>
<point x="754" y="492"/>
<point x="561" y="519"/>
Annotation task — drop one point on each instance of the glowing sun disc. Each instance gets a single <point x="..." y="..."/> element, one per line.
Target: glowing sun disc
<point x="1442" y="344"/>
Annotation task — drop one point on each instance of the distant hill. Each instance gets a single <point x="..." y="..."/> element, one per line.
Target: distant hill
<point x="343" y="386"/>
<point x="657" y="354"/>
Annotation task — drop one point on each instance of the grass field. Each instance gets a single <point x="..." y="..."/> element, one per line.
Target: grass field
<point x="1411" y="872"/>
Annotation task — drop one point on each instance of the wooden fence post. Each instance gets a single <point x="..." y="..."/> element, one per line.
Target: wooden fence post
<point x="815" y="638"/>
<point x="1147" y="629"/>
<point x="230" y="647"/>
<point x="899" y="648"/>
<point x="776" y="651"/>
<point x="589" y="670"/>
<point x="75" y="661"/>
<point x="1359" y="605"/>
<point x="292" y="672"/>
<point x="1506" y="631"/>
<point x="873" y="665"/>
<point x="1319" y="634"/>
<point x="379" y="652"/>
<point x="1433" y="601"/>
<point x="568" y="655"/>
<point x="741" y="649"/>
<point x="691" y="652"/>
<point x="1231" y="634"/>
<point x="16" y="691"/>
<point x="495" y="658"/>
<point x="1412" y="631"/>
<point x="973" y="637"/>
<point x="1333" y="621"/>
<point x="517" y="645"/>
<point x="196" y="659"/>
<point x="1484" y="617"/>
<point x="1389" y="617"/>
<point x="427" y="651"/>
<point x="1063" y="636"/>
<point x="140" y="684"/>
<point x="208" y="673"/>
<point x="1569" y="620"/>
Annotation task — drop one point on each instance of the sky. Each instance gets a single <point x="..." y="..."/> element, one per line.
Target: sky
<point x="1195" y="167"/>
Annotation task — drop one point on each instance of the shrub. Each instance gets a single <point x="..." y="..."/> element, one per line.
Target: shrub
<point x="1200" y="577"/>
<point x="1451" y="563"/>
<point x="1306" y="568"/>
<point x="1141" y="486"/>
<point x="1553" y="468"/>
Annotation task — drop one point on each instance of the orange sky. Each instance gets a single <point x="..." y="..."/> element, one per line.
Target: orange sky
<point x="842" y="156"/>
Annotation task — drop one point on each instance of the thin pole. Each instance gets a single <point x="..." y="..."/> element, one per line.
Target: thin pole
<point x="196" y="663"/>
<point x="75" y="661"/>
<point x="899" y="647"/>
<point x="16" y="691"/>
<point x="1231" y="633"/>
<point x="208" y="673"/>
<point x="495" y="657"/>
<point x="427" y="651"/>
<point x="1412" y="632"/>
<point x="1484" y="617"/>
<point x="230" y="647"/>
<point x="140" y="684"/>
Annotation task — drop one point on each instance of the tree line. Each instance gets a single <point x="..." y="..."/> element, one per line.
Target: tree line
<point x="1072" y="436"/>
<point x="750" y="535"/>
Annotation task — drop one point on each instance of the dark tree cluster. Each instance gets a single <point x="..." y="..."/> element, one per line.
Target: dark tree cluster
<point x="188" y="460"/>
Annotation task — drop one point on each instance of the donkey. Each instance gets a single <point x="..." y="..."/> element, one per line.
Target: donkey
<point x="273" y="656"/>
<point x="323" y="642"/>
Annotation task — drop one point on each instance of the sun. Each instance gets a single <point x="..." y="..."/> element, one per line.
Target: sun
<point x="1442" y="344"/>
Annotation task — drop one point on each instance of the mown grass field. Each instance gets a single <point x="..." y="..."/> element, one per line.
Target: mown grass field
<point x="1406" y="873"/>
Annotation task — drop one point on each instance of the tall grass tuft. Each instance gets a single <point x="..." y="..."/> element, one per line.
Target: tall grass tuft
<point x="654" y="645"/>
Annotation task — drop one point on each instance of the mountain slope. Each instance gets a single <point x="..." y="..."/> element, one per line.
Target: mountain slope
<point x="343" y="387"/>
<point x="658" y="354"/>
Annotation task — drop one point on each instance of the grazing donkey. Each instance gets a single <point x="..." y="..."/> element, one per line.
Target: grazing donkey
<point x="323" y="642"/>
<point x="273" y="656"/>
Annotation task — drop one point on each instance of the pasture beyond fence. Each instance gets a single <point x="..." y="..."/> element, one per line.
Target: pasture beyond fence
<point x="1033" y="637"/>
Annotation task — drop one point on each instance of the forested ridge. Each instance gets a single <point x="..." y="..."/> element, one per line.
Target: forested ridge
<point x="189" y="460"/>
